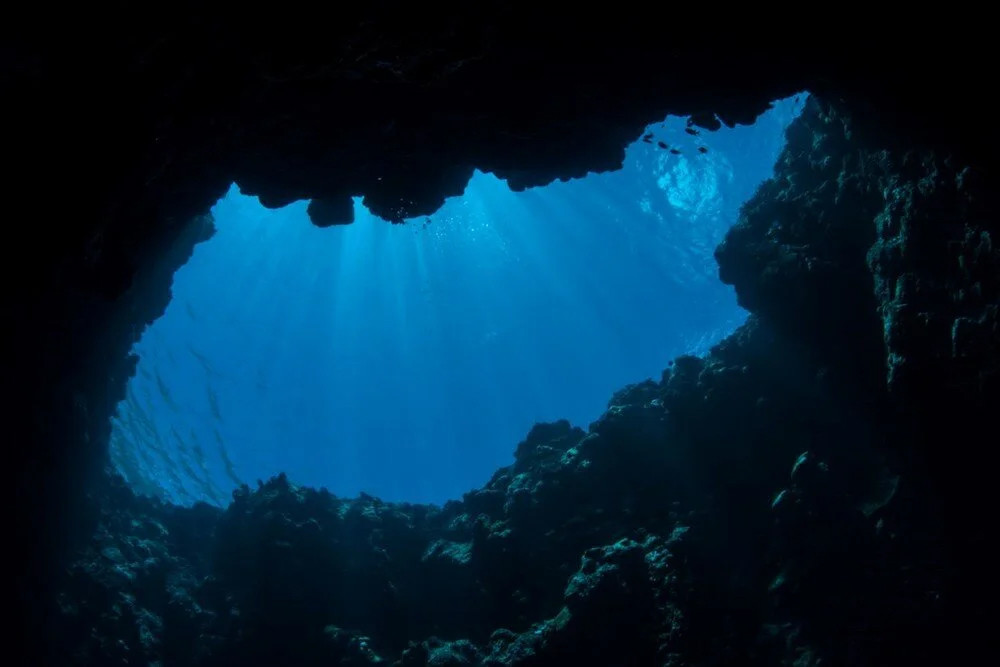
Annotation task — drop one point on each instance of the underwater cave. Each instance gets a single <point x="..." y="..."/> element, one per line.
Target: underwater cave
<point x="406" y="361"/>
<point x="426" y="337"/>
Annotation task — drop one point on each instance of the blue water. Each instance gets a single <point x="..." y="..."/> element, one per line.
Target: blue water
<point x="407" y="361"/>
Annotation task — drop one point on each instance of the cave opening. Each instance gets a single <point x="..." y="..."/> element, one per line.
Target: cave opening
<point x="736" y="509"/>
<point x="405" y="361"/>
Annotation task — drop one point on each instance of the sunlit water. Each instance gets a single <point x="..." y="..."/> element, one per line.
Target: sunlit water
<point x="407" y="361"/>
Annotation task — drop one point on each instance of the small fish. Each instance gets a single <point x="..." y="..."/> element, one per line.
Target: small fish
<point x="693" y="132"/>
<point x="675" y="151"/>
<point x="702" y="149"/>
<point x="648" y="138"/>
<point x="796" y="100"/>
<point x="190" y="310"/>
<point x="662" y="145"/>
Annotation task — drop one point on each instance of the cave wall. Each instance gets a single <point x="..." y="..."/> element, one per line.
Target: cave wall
<point x="120" y="131"/>
<point x="880" y="254"/>
<point x="783" y="500"/>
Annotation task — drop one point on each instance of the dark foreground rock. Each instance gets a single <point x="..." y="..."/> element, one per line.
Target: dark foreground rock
<point x="121" y="128"/>
<point x="806" y="494"/>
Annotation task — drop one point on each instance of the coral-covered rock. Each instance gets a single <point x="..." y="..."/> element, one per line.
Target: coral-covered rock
<point x="809" y="492"/>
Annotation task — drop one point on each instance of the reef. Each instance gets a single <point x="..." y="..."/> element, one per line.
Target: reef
<point x="787" y="499"/>
<point x="816" y="490"/>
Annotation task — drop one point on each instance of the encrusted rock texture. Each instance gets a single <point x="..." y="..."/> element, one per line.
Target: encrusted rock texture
<point x="868" y="367"/>
<point x="814" y="491"/>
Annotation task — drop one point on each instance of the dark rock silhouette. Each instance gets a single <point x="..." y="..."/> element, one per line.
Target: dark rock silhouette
<point x="755" y="506"/>
<point x="814" y="491"/>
